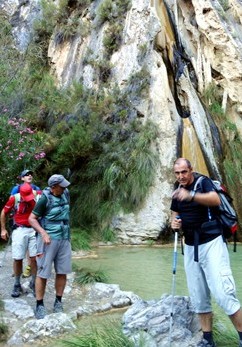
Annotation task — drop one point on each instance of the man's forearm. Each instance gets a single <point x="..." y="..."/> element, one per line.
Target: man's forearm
<point x="3" y="220"/>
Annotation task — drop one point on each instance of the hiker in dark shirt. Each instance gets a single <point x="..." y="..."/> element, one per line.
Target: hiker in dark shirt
<point x="206" y="258"/>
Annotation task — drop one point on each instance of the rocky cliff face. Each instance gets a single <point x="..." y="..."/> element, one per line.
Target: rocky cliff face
<point x="185" y="47"/>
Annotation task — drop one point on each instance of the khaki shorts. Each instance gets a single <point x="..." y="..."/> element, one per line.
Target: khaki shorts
<point x="58" y="252"/>
<point x="211" y="274"/>
<point x="23" y="239"/>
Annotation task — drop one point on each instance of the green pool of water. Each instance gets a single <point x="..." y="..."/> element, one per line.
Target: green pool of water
<point x="147" y="271"/>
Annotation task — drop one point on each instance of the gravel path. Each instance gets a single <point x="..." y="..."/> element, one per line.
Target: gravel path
<point x="71" y="299"/>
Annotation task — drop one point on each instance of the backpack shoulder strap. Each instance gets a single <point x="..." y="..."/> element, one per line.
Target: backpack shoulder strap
<point x="17" y="199"/>
<point x="46" y="193"/>
<point x="199" y="180"/>
<point x="67" y="195"/>
<point x="50" y="200"/>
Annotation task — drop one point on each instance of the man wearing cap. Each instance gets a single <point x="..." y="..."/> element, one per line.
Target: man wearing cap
<point x="50" y="218"/>
<point x="26" y="177"/>
<point x="23" y="236"/>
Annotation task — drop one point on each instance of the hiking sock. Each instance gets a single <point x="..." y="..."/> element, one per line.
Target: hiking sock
<point x="39" y="302"/>
<point x="58" y="298"/>
<point x="17" y="280"/>
<point x="208" y="335"/>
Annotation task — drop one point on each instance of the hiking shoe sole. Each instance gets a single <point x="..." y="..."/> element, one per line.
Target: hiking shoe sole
<point x="205" y="343"/>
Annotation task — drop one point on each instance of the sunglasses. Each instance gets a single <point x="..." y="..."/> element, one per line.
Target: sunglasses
<point x="28" y="174"/>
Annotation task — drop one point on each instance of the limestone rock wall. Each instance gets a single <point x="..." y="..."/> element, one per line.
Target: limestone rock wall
<point x="213" y="47"/>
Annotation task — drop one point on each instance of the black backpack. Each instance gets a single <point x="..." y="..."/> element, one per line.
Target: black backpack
<point x="227" y="216"/>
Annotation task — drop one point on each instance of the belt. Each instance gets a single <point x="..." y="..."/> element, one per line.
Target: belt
<point x="15" y="226"/>
<point x="197" y="232"/>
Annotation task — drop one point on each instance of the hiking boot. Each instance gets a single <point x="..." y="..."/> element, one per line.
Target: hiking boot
<point x="27" y="271"/>
<point x="205" y="343"/>
<point x="40" y="312"/>
<point x="58" y="307"/>
<point x="32" y="287"/>
<point x="17" y="290"/>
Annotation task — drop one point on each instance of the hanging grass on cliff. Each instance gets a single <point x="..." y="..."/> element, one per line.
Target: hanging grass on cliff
<point x="111" y="156"/>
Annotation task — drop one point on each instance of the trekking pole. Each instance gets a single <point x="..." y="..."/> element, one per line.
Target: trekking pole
<point x="5" y="252"/>
<point x="173" y="280"/>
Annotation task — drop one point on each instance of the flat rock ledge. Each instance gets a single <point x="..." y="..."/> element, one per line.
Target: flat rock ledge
<point x="146" y="323"/>
<point x="88" y="300"/>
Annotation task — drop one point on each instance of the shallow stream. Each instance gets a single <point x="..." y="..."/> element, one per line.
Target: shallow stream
<point x="146" y="271"/>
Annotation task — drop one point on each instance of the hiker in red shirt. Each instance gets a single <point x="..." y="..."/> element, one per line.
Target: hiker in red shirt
<point x="23" y="235"/>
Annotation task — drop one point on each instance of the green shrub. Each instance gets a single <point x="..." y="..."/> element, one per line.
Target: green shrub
<point x="111" y="10"/>
<point x="143" y="49"/>
<point x="108" y="235"/>
<point x="113" y="38"/>
<point x="213" y="100"/>
<point x="225" y="4"/>
<point x="20" y="147"/>
<point x="80" y="239"/>
<point x="1" y="305"/>
<point x="105" y="11"/>
<point x="3" y="330"/>
<point x="85" y="276"/>
<point x="123" y="6"/>
<point x="139" y="82"/>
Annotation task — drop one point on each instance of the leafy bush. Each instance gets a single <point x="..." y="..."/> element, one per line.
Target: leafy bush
<point x="20" y="147"/>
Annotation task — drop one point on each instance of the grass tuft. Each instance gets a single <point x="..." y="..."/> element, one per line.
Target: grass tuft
<point x="109" y="334"/>
<point x="87" y="276"/>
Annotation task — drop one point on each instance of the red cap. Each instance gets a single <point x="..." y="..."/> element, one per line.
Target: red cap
<point x="26" y="192"/>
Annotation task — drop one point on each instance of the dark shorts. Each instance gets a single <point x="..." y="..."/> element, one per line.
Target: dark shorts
<point x="58" y="252"/>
